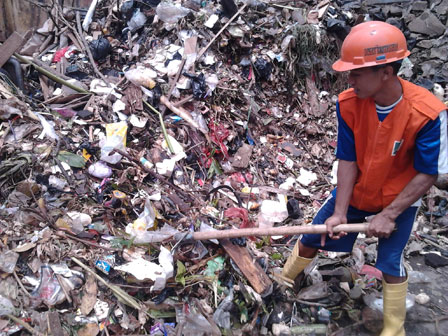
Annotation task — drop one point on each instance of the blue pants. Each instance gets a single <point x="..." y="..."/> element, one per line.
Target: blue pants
<point x="390" y="250"/>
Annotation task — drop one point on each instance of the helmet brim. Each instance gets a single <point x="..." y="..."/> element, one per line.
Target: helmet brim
<point x="341" y="66"/>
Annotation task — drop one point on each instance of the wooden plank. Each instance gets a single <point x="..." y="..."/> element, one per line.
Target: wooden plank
<point x="7" y="49"/>
<point x="251" y="270"/>
<point x="54" y="324"/>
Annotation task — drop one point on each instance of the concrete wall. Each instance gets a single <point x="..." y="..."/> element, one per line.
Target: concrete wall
<point x="22" y="15"/>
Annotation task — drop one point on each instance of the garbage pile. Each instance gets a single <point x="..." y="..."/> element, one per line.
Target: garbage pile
<point x="132" y="124"/>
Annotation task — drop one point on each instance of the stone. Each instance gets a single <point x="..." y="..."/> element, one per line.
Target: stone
<point x="442" y="9"/>
<point x="372" y="320"/>
<point x="394" y="22"/>
<point x="425" y="44"/>
<point x="427" y="24"/>
<point x="419" y="6"/>
<point x="440" y="53"/>
<point x="395" y="10"/>
<point x="430" y="68"/>
<point x="434" y="260"/>
<point x="422" y="298"/>
<point x="355" y="292"/>
<point x="441" y="41"/>
<point x="433" y="3"/>
<point x="408" y="18"/>
<point x="384" y="2"/>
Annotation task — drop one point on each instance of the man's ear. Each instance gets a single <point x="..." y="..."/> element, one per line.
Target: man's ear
<point x="388" y="72"/>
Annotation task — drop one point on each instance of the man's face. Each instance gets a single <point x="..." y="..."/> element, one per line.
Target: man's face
<point x="366" y="82"/>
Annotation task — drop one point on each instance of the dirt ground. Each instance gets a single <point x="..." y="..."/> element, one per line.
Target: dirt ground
<point x="430" y="319"/>
<point x="437" y="306"/>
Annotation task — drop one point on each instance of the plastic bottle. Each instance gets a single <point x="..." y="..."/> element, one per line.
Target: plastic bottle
<point x="146" y="163"/>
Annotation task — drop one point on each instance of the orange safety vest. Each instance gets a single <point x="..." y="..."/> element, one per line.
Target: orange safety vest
<point x="385" y="150"/>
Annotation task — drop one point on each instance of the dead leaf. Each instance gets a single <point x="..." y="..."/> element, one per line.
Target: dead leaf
<point x="90" y="329"/>
<point x="291" y="148"/>
<point x="242" y="157"/>
<point x="315" y="108"/>
<point x="24" y="247"/>
<point x="89" y="295"/>
<point x="316" y="150"/>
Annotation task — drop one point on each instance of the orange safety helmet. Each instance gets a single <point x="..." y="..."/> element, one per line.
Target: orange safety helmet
<point x="371" y="43"/>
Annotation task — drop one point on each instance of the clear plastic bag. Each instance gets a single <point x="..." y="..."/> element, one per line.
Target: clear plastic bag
<point x="141" y="77"/>
<point x="137" y="20"/>
<point x="272" y="212"/>
<point x="48" y="128"/>
<point x="375" y="301"/>
<point x="358" y="257"/>
<point x="50" y="290"/>
<point x="418" y="277"/>
<point x="6" y="306"/>
<point x="194" y="323"/>
<point x="222" y="313"/>
<point x="171" y="13"/>
<point x="144" y="237"/>
<point x="100" y="170"/>
<point x="8" y="261"/>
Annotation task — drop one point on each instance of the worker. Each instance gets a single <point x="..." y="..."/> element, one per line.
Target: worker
<point x="392" y="144"/>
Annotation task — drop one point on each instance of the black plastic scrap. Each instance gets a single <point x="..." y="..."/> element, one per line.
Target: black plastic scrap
<point x="100" y="48"/>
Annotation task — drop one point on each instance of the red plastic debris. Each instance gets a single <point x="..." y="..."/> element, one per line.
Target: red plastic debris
<point x="240" y="213"/>
<point x="371" y="272"/>
<point x="59" y="54"/>
<point x="218" y="133"/>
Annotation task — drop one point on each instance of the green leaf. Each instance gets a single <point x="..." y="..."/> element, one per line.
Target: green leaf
<point x="214" y="266"/>
<point x="244" y="317"/>
<point x="180" y="275"/>
<point x="121" y="242"/>
<point x="214" y="169"/>
<point x="158" y="314"/>
<point x="73" y="160"/>
<point x="276" y="256"/>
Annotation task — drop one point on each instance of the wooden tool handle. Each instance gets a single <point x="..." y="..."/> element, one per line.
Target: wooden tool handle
<point x="278" y="231"/>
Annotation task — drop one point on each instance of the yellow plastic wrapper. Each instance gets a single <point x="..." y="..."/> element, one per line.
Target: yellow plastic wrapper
<point x="115" y="139"/>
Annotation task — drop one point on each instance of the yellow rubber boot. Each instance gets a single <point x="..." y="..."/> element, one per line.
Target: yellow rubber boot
<point x="394" y="308"/>
<point x="295" y="264"/>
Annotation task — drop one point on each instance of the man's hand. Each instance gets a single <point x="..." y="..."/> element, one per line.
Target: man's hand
<point x="331" y="222"/>
<point x="381" y="226"/>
